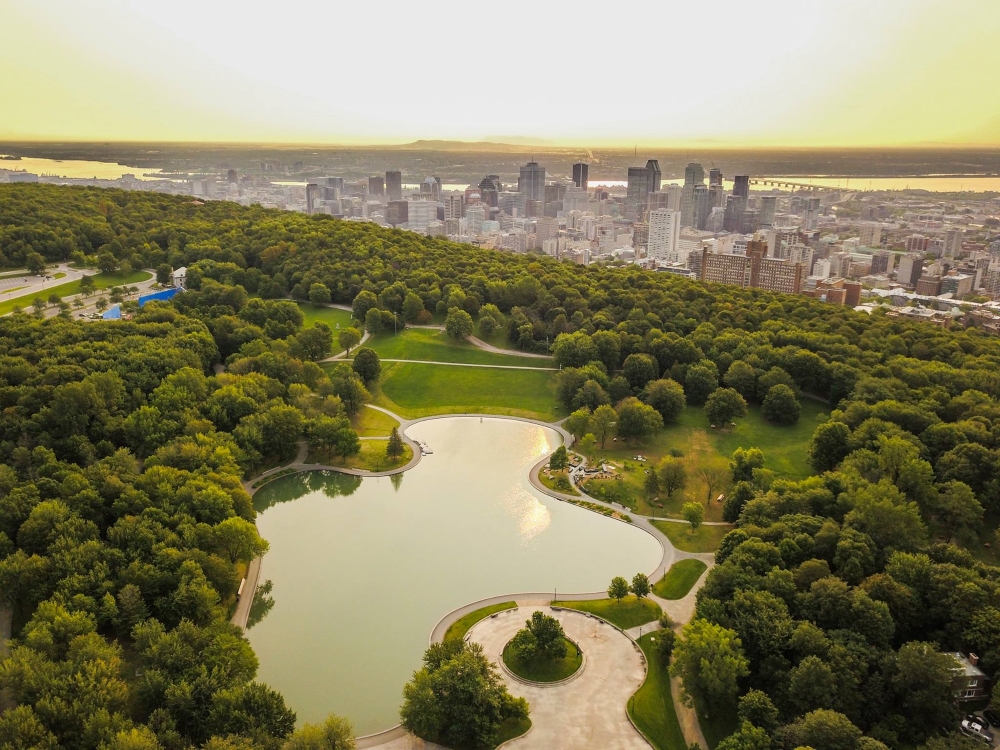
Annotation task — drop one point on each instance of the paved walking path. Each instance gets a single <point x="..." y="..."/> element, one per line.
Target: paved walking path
<point x="588" y="712"/>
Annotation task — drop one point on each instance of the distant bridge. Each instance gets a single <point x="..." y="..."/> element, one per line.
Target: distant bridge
<point x="768" y="182"/>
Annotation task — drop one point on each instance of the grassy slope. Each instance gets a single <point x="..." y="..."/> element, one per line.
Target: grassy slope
<point x="678" y="581"/>
<point x="543" y="670"/>
<point x="415" y="390"/>
<point x="652" y="708"/>
<point x="101" y="281"/>
<point x="332" y="316"/>
<point x="463" y="625"/>
<point x="436" y="346"/>
<point x="628" y="613"/>
<point x="784" y="452"/>
<point x="373" y="423"/>
<point x="371" y="458"/>
<point x="705" y="539"/>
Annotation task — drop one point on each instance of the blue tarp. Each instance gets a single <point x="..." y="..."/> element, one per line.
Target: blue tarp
<point x="164" y="294"/>
<point x="113" y="313"/>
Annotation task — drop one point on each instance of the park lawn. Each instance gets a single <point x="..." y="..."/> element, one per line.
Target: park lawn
<point x="545" y="670"/>
<point x="549" y="479"/>
<point x="433" y="345"/>
<point x="499" y="339"/>
<point x="101" y="281"/>
<point x="704" y="539"/>
<point x="372" y="423"/>
<point x="702" y="447"/>
<point x="418" y="390"/>
<point x="678" y="581"/>
<point x="652" y="706"/>
<point x="511" y="729"/>
<point x="332" y="316"/>
<point x="457" y="630"/>
<point x="628" y="613"/>
<point x="370" y="458"/>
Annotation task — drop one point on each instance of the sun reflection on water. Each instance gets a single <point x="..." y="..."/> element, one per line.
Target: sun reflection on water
<point x="531" y="516"/>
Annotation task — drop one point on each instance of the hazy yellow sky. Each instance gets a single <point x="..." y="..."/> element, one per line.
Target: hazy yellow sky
<point x="649" y="72"/>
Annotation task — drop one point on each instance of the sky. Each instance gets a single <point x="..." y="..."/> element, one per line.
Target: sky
<point x="581" y="73"/>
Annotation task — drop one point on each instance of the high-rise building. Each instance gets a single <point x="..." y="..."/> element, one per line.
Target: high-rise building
<point x="531" y="183"/>
<point x="489" y="190"/>
<point x="694" y="174"/>
<point x="376" y="186"/>
<point x="453" y="206"/>
<point x="654" y="177"/>
<point x="911" y="268"/>
<point x="870" y="235"/>
<point x="474" y="218"/>
<point x="882" y="262"/>
<point x="735" y="206"/>
<point x="702" y="206"/>
<point x="664" y="234"/>
<point x="312" y="196"/>
<point x="768" y="203"/>
<point x="753" y="270"/>
<point x="396" y="213"/>
<point x="580" y="173"/>
<point x="420" y="214"/>
<point x="394" y="185"/>
<point x="642" y="182"/>
<point x="715" y="177"/>
<point x="232" y="177"/>
<point x="741" y="186"/>
<point x="953" y="242"/>
<point x="917" y="243"/>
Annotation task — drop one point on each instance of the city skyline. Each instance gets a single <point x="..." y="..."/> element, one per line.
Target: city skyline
<point x="842" y="73"/>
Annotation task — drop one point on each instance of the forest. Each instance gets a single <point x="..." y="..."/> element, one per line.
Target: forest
<point x="123" y="521"/>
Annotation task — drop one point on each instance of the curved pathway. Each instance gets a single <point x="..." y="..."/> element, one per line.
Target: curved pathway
<point x="469" y="364"/>
<point x="587" y="712"/>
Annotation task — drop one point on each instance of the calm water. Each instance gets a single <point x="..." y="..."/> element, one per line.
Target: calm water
<point x="936" y="184"/>
<point x="80" y="168"/>
<point x="362" y="569"/>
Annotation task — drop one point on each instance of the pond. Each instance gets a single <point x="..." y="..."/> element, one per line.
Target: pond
<point x="362" y="569"/>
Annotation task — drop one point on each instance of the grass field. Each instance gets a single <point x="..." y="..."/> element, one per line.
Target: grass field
<point x="371" y="458"/>
<point x="417" y="390"/>
<point x="705" y="539"/>
<point x="717" y="724"/>
<point x="652" y="707"/>
<point x="702" y="447"/>
<point x="101" y="281"/>
<point x="461" y="626"/>
<point x="511" y="729"/>
<point x="332" y="316"/>
<point x="372" y="423"/>
<point x="628" y="613"/>
<point x="545" y="670"/>
<point x="678" y="581"/>
<point x="557" y="481"/>
<point x="432" y="345"/>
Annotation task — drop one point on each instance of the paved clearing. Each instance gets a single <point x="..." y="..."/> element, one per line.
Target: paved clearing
<point x="588" y="712"/>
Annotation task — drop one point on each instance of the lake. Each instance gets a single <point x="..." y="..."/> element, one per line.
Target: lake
<point x="362" y="569"/>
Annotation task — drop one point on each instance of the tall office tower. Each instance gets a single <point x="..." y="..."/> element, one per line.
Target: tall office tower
<point x="702" y="206"/>
<point x="635" y="192"/>
<point x="531" y="183"/>
<point x="394" y="185"/>
<point x="911" y="268"/>
<point x="654" y="178"/>
<point x="694" y="174"/>
<point x="664" y="235"/>
<point x="741" y="186"/>
<point x="453" y="206"/>
<point x="882" y="261"/>
<point x="953" y="242"/>
<point x="580" y="173"/>
<point x="231" y="176"/>
<point x="715" y="177"/>
<point x="768" y="203"/>
<point x="474" y="218"/>
<point x="312" y="195"/>
<point x="420" y="214"/>
<point x="376" y="186"/>
<point x="640" y="235"/>
<point x="733" y="221"/>
<point x="397" y="212"/>
<point x="810" y="213"/>
<point x="489" y="190"/>
<point x="717" y="195"/>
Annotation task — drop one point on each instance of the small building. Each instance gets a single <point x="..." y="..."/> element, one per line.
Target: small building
<point x="179" y="277"/>
<point x="969" y="683"/>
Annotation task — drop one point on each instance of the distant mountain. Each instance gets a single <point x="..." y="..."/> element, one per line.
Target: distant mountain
<point x="509" y="144"/>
